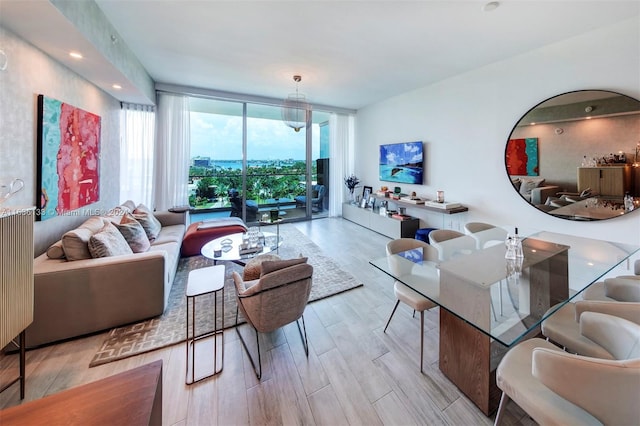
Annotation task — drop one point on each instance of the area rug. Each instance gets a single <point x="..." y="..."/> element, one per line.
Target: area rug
<point x="170" y="328"/>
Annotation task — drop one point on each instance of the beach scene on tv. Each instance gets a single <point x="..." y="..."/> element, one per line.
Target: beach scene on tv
<point x="401" y="162"/>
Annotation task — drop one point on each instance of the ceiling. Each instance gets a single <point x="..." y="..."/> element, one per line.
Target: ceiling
<point x="350" y="53"/>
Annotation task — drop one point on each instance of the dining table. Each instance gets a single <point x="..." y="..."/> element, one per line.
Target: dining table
<point x="489" y="303"/>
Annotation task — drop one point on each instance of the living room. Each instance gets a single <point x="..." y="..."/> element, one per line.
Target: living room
<point x="464" y="121"/>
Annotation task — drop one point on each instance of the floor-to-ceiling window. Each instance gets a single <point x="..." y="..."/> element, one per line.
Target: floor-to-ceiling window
<point x="246" y="162"/>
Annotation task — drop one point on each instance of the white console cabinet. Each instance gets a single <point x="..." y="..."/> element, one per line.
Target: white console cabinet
<point x="392" y="228"/>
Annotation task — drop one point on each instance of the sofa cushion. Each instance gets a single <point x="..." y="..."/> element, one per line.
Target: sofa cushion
<point x="55" y="251"/>
<point x="529" y="184"/>
<point x="151" y="225"/>
<point x="516" y="182"/>
<point x="108" y="242"/>
<point x="75" y="242"/>
<point x="133" y="233"/>
<point x="169" y="234"/>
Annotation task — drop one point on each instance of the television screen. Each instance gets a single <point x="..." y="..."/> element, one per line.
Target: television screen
<point x="401" y="162"/>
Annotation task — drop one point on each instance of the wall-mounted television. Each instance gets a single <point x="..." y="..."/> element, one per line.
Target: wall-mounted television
<point x="401" y="162"/>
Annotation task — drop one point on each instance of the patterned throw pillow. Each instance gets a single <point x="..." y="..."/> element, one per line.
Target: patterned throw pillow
<point x="134" y="233"/>
<point x="108" y="242"/>
<point x="148" y="221"/>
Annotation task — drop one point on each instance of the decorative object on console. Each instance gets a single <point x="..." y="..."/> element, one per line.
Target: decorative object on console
<point x="413" y="199"/>
<point x="402" y="162"/>
<point x="351" y="182"/>
<point x="68" y="158"/>
<point x="440" y="196"/>
<point x="366" y="192"/>
<point x="443" y="205"/>
<point x="295" y="109"/>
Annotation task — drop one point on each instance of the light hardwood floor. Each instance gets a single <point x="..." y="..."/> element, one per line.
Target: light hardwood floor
<point x="355" y="374"/>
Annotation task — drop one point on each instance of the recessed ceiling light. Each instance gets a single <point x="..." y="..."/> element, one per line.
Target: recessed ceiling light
<point x="75" y="55"/>
<point x="117" y="86"/>
<point x="492" y="5"/>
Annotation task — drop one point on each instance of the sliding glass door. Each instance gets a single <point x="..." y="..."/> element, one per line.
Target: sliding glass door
<point x="246" y="162"/>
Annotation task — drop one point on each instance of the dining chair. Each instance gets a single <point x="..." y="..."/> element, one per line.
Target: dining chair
<point x="556" y="387"/>
<point x="621" y="298"/>
<point x="450" y="243"/>
<point x="485" y="234"/>
<point x="278" y="297"/>
<point x="405" y="294"/>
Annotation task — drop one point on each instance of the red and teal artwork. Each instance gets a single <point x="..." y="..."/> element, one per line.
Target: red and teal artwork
<point x="522" y="157"/>
<point x="68" y="158"/>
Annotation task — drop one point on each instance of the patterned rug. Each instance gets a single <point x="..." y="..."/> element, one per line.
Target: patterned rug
<point x="170" y="327"/>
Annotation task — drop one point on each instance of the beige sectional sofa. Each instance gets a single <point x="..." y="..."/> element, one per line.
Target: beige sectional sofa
<point x="534" y="189"/>
<point x="77" y="297"/>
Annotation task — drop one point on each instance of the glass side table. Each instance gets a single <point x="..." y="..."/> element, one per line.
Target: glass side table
<point x="201" y="282"/>
<point x="275" y="222"/>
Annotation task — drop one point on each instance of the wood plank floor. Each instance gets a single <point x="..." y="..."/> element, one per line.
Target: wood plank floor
<point x="355" y="374"/>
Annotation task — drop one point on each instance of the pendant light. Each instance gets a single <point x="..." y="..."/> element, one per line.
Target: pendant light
<point x="295" y="109"/>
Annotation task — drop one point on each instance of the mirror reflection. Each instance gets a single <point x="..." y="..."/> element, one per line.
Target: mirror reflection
<point x="576" y="156"/>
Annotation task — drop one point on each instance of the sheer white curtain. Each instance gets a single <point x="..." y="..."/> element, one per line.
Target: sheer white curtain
<point x="173" y="147"/>
<point x="341" y="146"/>
<point x="137" y="147"/>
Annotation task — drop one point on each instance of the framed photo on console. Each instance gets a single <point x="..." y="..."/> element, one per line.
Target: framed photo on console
<point x="366" y="192"/>
<point x="371" y="203"/>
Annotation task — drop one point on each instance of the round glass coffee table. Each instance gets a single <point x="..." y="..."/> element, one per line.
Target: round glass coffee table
<point x="228" y="248"/>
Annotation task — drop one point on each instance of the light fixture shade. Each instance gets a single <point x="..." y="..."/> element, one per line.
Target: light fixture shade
<point x="295" y="111"/>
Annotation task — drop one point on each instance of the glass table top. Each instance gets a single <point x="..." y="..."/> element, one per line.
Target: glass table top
<point x="506" y="299"/>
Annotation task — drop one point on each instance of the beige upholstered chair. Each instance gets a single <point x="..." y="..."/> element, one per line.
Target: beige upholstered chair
<point x="406" y="295"/>
<point x="277" y="298"/>
<point x="485" y="234"/>
<point x="618" y="297"/>
<point x="450" y="243"/>
<point x="555" y="387"/>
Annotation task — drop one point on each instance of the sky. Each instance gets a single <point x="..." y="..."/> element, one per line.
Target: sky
<point x="220" y="137"/>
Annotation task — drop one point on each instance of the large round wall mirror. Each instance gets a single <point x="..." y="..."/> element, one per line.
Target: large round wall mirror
<point x="576" y="156"/>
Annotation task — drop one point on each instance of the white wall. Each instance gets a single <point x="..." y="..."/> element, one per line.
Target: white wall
<point x="465" y="122"/>
<point x="30" y="72"/>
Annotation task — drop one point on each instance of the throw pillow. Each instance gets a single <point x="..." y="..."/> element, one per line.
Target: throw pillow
<point x="269" y="266"/>
<point x="133" y="233"/>
<point x="129" y="205"/>
<point x="75" y="242"/>
<point x="516" y="182"/>
<point x="528" y="185"/>
<point x="151" y="225"/>
<point x="108" y="242"/>
<point x="55" y="251"/>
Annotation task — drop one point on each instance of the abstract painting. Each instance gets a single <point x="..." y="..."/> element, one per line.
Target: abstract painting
<point x="68" y="158"/>
<point x="522" y="157"/>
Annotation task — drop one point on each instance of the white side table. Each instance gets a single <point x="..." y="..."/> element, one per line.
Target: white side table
<point x="201" y="282"/>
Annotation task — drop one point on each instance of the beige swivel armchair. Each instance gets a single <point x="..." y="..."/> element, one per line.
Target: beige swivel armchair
<point x="406" y="295"/>
<point x="614" y="296"/>
<point x="277" y="298"/>
<point x="555" y="387"/>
